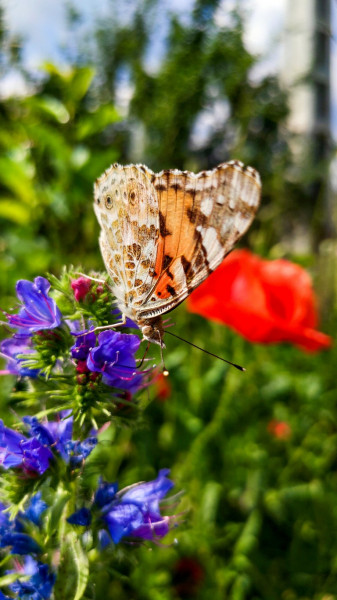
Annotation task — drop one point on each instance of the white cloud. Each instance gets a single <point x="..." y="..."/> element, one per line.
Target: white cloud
<point x="39" y="23"/>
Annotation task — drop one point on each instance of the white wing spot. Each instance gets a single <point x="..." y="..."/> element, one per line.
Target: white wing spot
<point x="206" y="206"/>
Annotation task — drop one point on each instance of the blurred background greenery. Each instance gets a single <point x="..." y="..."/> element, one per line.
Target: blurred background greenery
<point x="259" y="510"/>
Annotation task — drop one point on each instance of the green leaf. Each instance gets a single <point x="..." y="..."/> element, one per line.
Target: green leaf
<point x="81" y="80"/>
<point x="73" y="572"/>
<point x="9" y="578"/>
<point x="14" y="211"/>
<point x="55" y="514"/>
<point x="97" y="121"/>
<point x="15" y="178"/>
<point x="53" y="107"/>
<point x="81" y="562"/>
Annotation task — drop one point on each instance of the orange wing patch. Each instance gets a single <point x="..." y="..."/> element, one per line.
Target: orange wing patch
<point x="170" y="281"/>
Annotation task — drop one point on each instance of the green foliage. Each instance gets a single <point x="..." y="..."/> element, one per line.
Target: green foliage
<point x="52" y="147"/>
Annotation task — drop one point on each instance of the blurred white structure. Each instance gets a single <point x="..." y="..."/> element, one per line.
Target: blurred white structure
<point x="306" y="73"/>
<point x="306" y="70"/>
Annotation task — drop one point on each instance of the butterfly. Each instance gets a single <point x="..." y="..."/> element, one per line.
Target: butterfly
<point x="163" y="233"/>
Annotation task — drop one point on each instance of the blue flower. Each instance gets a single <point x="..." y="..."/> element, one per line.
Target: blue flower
<point x="39" y="586"/>
<point x="18" y="451"/>
<point x="55" y="434"/>
<point x="114" y="358"/>
<point x="58" y="435"/>
<point x="21" y="543"/>
<point x="136" y="511"/>
<point x="12" y="348"/>
<point x="6" y="525"/>
<point x="35" y="509"/>
<point x="105" y="493"/>
<point x="39" y="311"/>
<point x="34" y="453"/>
<point x="12" y="532"/>
<point x="78" y="451"/>
<point x="133" y="511"/>
<point x="80" y="517"/>
<point x="83" y="344"/>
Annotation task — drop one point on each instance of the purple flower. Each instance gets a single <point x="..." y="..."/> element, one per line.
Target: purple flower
<point x="55" y="434"/>
<point x="83" y="344"/>
<point x="18" y="451"/>
<point x="12" y="348"/>
<point x="58" y="435"/>
<point x="114" y="358"/>
<point x="34" y="453"/>
<point x="41" y="582"/>
<point x="39" y="311"/>
<point x="136" y="511"/>
<point x="36" y="457"/>
<point x="131" y="512"/>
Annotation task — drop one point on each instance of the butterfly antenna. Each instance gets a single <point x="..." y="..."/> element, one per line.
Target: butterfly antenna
<point x="206" y="351"/>
<point x="165" y="371"/>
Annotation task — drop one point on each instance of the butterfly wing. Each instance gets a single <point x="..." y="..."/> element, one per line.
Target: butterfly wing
<point x="201" y="217"/>
<point x="126" y="206"/>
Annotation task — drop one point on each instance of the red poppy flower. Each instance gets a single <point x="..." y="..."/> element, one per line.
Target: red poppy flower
<point x="266" y="301"/>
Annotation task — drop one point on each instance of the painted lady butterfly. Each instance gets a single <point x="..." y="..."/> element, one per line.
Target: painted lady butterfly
<point x="163" y="234"/>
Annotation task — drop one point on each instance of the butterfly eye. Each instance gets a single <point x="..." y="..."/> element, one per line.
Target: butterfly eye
<point x="132" y="196"/>
<point x="108" y="202"/>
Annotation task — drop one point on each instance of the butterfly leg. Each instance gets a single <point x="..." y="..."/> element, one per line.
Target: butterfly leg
<point x="113" y="326"/>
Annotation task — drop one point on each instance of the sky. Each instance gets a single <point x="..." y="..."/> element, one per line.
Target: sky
<point x="42" y="23"/>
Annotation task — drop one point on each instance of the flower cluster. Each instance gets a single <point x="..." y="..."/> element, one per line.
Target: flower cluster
<point x="45" y="340"/>
<point x="34" y="579"/>
<point x="78" y="380"/>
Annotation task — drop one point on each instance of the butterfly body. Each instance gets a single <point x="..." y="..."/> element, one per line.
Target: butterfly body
<point x="163" y="234"/>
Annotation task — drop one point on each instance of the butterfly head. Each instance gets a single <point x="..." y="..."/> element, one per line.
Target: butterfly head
<point x="153" y="331"/>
